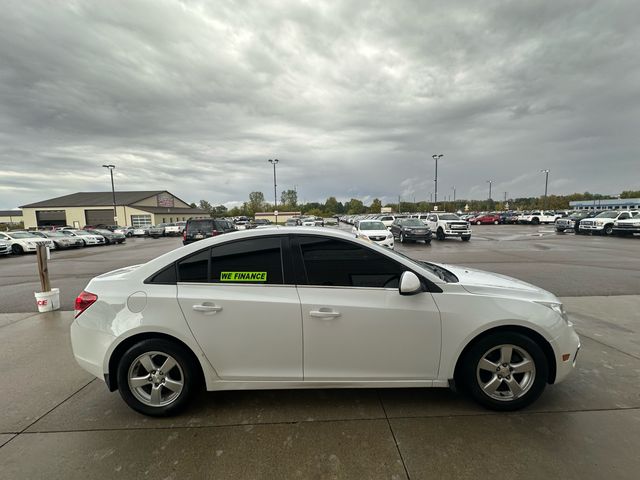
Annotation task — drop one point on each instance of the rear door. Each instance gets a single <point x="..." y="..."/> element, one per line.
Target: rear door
<point x="241" y="310"/>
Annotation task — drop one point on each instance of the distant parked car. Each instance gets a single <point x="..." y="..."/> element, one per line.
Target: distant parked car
<point x="109" y="236"/>
<point x="141" y="231"/>
<point x="198" y="229"/>
<point x="293" y="222"/>
<point x="410" y="230"/>
<point x="86" y="237"/>
<point x="486" y="219"/>
<point x="23" y="242"/>
<point x="603" y="222"/>
<point x="126" y="231"/>
<point x="375" y="231"/>
<point x="5" y="247"/>
<point x="60" y="240"/>
<point x="572" y="222"/>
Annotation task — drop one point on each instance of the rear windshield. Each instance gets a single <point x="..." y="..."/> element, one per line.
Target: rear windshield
<point x="200" y="225"/>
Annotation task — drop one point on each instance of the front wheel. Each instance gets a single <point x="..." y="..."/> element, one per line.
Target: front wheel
<point x="17" y="249"/>
<point x="608" y="230"/>
<point x="157" y="377"/>
<point x="440" y="234"/>
<point x="505" y="371"/>
<point x="560" y="230"/>
<point x="402" y="238"/>
<point x="496" y="222"/>
<point x="478" y="222"/>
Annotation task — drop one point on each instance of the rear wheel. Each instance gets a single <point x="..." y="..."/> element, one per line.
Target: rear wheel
<point x="535" y="221"/>
<point x="157" y="377"/>
<point x="478" y="222"/>
<point x="505" y="371"/>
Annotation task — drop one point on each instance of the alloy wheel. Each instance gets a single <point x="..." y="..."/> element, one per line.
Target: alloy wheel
<point x="155" y="378"/>
<point x="506" y="372"/>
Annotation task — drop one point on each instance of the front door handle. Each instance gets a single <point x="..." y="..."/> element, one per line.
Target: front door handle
<point x="324" y="313"/>
<point x="207" y="308"/>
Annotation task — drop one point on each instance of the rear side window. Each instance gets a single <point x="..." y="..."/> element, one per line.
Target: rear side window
<point x="330" y="262"/>
<point x="253" y="261"/>
<point x="194" y="268"/>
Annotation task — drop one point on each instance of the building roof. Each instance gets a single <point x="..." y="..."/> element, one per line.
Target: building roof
<point x="606" y="202"/>
<point x="171" y="210"/>
<point x="82" y="199"/>
<point x="10" y="213"/>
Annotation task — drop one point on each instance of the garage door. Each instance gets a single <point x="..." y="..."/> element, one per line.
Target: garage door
<point x="99" y="217"/>
<point x="49" y="218"/>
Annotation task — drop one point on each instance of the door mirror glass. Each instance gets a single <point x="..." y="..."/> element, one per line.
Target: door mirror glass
<point x="409" y="284"/>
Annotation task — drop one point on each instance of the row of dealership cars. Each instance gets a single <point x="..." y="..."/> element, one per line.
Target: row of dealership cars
<point x="27" y="241"/>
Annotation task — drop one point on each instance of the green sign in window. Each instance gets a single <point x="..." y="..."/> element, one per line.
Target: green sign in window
<point x="243" y="276"/>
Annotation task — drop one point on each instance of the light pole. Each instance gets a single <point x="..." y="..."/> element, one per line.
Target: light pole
<point x="454" y="192"/>
<point x="490" y="182"/>
<point x="546" y="183"/>
<point x="436" y="158"/>
<point x="113" y="193"/>
<point x="274" y="162"/>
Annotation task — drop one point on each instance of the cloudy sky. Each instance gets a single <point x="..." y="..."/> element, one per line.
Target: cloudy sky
<point x="352" y="97"/>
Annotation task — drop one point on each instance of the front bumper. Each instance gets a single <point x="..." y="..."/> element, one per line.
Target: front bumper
<point x="592" y="228"/>
<point x="409" y="235"/>
<point x="566" y="345"/>
<point x="457" y="233"/>
<point x="389" y="243"/>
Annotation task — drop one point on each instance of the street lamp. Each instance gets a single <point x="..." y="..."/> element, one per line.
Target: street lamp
<point x="490" y="182"/>
<point x="113" y="193"/>
<point x="454" y="192"/>
<point x="274" y="162"/>
<point x="546" y="183"/>
<point x="436" y="158"/>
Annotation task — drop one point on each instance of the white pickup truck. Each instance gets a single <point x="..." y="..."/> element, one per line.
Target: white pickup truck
<point x="603" y="222"/>
<point x="172" y="229"/>
<point x="539" y="216"/>
<point x="445" y="225"/>
<point x="627" y="226"/>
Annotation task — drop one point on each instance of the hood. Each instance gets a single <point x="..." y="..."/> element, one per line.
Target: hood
<point x="486" y="283"/>
<point x="374" y="233"/>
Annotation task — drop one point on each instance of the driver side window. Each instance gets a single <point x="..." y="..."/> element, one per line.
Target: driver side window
<point x="337" y="263"/>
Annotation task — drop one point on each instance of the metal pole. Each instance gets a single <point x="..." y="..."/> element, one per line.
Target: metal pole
<point x="274" y="162"/>
<point x="546" y="183"/>
<point x="436" y="158"/>
<point x="113" y="193"/>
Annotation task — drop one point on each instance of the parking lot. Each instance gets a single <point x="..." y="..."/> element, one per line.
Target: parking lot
<point x="56" y="421"/>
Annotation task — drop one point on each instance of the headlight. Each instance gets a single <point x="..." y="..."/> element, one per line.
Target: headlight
<point x="599" y="222"/>
<point x="559" y="309"/>
<point x="389" y="236"/>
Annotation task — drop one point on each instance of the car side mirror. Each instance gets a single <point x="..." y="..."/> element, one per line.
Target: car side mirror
<point x="409" y="284"/>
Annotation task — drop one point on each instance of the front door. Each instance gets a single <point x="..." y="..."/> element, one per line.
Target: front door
<point x="356" y="325"/>
<point x="246" y="320"/>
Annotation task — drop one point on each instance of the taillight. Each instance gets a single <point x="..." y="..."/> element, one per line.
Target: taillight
<point x="184" y="234"/>
<point x="214" y="233"/>
<point x="84" y="301"/>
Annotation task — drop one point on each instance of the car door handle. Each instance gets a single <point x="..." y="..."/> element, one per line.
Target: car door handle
<point x="324" y="313"/>
<point x="207" y="308"/>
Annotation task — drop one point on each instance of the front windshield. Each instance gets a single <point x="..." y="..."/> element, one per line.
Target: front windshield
<point x="22" y="235"/>
<point x="54" y="234"/>
<point x="449" y="216"/>
<point x="372" y="226"/>
<point x="607" y="215"/>
<point x="411" y="222"/>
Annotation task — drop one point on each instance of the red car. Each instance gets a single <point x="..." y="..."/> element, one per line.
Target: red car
<point x="486" y="219"/>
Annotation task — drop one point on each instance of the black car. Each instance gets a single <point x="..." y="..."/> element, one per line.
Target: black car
<point x="573" y="221"/>
<point x="199" y="229"/>
<point x="410" y="229"/>
<point x="109" y="236"/>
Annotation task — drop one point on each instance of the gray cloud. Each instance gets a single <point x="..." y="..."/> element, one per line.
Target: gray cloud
<point x="352" y="97"/>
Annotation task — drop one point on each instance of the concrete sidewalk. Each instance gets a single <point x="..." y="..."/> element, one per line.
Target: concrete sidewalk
<point x="56" y="421"/>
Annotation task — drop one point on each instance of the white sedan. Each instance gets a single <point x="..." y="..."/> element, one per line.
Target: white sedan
<point x="310" y="308"/>
<point x="23" y="242"/>
<point x="375" y="231"/>
<point x="86" y="237"/>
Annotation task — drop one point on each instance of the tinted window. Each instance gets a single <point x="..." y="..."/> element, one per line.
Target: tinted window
<point x="166" y="275"/>
<point x="337" y="263"/>
<point x="194" y="268"/>
<point x="200" y="225"/>
<point x="249" y="261"/>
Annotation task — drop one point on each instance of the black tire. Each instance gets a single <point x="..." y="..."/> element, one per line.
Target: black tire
<point x="535" y="221"/>
<point x="185" y="368"/>
<point x="608" y="230"/>
<point x="560" y="230"/>
<point x="471" y="375"/>
<point x="401" y="237"/>
<point x="465" y="238"/>
<point x="440" y="234"/>
<point x="496" y="222"/>
<point x="427" y="242"/>
<point x="57" y="246"/>
<point x="17" y="249"/>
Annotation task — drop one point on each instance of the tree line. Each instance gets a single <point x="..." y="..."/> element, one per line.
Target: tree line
<point x="331" y="206"/>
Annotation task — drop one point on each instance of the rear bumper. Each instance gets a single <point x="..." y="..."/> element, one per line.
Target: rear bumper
<point x="90" y="347"/>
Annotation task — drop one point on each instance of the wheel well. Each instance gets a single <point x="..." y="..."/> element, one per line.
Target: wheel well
<point x="533" y="335"/>
<point x="112" y="380"/>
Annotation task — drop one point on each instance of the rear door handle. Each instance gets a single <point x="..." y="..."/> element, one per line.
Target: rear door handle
<point x="207" y="308"/>
<point x="324" y="313"/>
